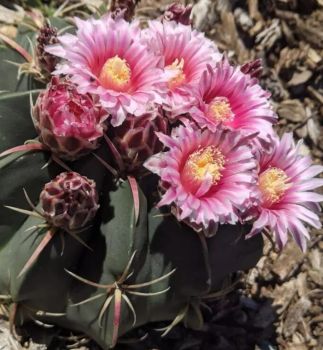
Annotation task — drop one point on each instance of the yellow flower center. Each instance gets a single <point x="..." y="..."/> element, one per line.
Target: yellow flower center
<point x="208" y="161"/>
<point x="273" y="183"/>
<point x="115" y="74"/>
<point x="220" y="110"/>
<point x="177" y="75"/>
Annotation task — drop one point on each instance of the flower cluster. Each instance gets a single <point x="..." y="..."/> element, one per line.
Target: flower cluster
<point x="168" y="89"/>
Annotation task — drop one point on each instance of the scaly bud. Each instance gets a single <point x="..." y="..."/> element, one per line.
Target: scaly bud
<point x="178" y="13"/>
<point x="46" y="61"/>
<point x="70" y="201"/>
<point x="69" y="124"/>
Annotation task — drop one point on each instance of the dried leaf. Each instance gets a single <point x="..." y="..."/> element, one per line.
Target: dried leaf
<point x="301" y="284"/>
<point x="283" y="295"/>
<point x="299" y="78"/>
<point x="292" y="110"/>
<point x="288" y="261"/>
<point x="314" y="131"/>
<point x="268" y="37"/>
<point x="243" y="19"/>
<point x="203" y="14"/>
<point x="294" y="316"/>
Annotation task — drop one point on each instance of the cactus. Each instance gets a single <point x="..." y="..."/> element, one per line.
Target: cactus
<point x="142" y="266"/>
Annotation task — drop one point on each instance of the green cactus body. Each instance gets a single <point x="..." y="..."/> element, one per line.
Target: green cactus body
<point x="157" y="242"/>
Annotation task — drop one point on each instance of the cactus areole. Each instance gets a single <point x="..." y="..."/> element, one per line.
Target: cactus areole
<point x="131" y="182"/>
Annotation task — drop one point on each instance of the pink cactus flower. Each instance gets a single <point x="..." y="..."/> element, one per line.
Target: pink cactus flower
<point x="107" y="58"/>
<point x="185" y="53"/>
<point x="207" y="176"/>
<point x="234" y="100"/>
<point x="285" y="184"/>
<point x="69" y="124"/>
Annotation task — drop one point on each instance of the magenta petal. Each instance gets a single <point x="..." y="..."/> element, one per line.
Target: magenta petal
<point x="200" y="199"/>
<point x="292" y="203"/>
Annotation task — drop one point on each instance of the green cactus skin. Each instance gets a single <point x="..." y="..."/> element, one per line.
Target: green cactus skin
<point x="160" y="243"/>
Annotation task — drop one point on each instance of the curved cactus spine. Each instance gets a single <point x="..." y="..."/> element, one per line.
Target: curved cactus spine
<point x="24" y="53"/>
<point x="135" y="193"/>
<point x="116" y="292"/>
<point x="29" y="147"/>
<point x="177" y="320"/>
<point x="46" y="239"/>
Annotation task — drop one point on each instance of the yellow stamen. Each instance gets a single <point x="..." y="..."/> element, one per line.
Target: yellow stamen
<point x="220" y="110"/>
<point x="273" y="183"/>
<point x="208" y="161"/>
<point x="178" y="76"/>
<point x="115" y="74"/>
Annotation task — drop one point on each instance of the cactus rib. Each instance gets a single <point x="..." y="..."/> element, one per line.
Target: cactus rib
<point x="117" y="292"/>
<point x="205" y="252"/>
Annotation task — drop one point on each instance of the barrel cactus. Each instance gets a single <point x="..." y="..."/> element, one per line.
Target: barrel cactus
<point x="127" y="199"/>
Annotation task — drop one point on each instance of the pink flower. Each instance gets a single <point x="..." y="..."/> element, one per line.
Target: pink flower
<point x="69" y="124"/>
<point x="285" y="184"/>
<point x="234" y="100"/>
<point x="107" y="57"/>
<point x="185" y="53"/>
<point x="208" y="176"/>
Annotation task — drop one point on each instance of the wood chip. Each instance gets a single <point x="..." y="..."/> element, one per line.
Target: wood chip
<point x="283" y="295"/>
<point x="292" y="110"/>
<point x="314" y="130"/>
<point x="294" y="315"/>
<point x="11" y="16"/>
<point x="288" y="261"/>
<point x="300" y="78"/>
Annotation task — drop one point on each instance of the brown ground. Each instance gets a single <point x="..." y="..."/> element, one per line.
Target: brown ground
<point x="280" y="303"/>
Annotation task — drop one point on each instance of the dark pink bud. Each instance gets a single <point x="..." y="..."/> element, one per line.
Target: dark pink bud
<point x="253" y="68"/>
<point x="136" y="138"/>
<point x="69" y="123"/>
<point x="70" y="201"/>
<point x="178" y="13"/>
<point x="124" y="8"/>
<point x="47" y="36"/>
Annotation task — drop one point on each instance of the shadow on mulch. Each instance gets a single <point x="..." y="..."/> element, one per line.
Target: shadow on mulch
<point x="235" y="322"/>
